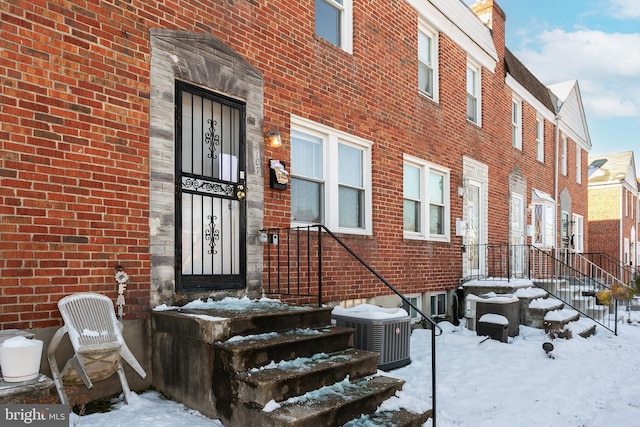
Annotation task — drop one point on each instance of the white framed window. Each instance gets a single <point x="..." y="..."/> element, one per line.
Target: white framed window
<point x="540" y="139"/>
<point x="416" y="300"/>
<point x="428" y="62"/>
<point x="426" y="206"/>
<point x="578" y="165"/>
<point x="563" y="156"/>
<point x="330" y="178"/>
<point x="626" y="250"/>
<point x="438" y="304"/>
<point x="334" y="22"/>
<point x="516" y="123"/>
<point x="578" y="233"/>
<point x="474" y="102"/>
<point x="544" y="224"/>
<point x="625" y="196"/>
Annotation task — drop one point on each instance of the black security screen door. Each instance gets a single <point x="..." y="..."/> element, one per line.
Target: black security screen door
<point x="210" y="190"/>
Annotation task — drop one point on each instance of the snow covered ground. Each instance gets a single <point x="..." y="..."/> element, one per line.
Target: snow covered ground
<point x="591" y="382"/>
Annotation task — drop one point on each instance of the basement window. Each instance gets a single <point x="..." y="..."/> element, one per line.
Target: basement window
<point x="438" y="305"/>
<point x="416" y="300"/>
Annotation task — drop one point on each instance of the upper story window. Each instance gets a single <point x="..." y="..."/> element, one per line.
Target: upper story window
<point x="330" y="178"/>
<point x="540" y="139"/>
<point x="563" y="156"/>
<point x="473" y="93"/>
<point x="426" y="200"/>
<point x="428" y="62"/>
<point x="516" y="123"/>
<point x="578" y="165"/>
<point x="334" y="22"/>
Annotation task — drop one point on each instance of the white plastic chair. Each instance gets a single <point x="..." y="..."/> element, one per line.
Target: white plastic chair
<point x="96" y="337"/>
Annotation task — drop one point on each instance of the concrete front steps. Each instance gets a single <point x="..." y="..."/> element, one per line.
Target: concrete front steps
<point x="537" y="309"/>
<point x="271" y="366"/>
<point x="540" y="310"/>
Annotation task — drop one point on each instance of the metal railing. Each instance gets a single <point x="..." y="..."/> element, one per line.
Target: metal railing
<point x="566" y="275"/>
<point x="497" y="261"/>
<point x="577" y="282"/>
<point x="306" y="264"/>
<point x="625" y="273"/>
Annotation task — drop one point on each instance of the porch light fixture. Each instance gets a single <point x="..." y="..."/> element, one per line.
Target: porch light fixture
<point x="274" y="139"/>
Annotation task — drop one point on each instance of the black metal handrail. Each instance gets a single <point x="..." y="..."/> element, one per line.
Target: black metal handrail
<point x="573" y="280"/>
<point x="297" y="271"/>
<point x="498" y="261"/>
<point x="625" y="273"/>
<point x="504" y="261"/>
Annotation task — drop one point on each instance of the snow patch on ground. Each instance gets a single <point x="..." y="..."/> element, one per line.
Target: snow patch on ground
<point x="480" y="383"/>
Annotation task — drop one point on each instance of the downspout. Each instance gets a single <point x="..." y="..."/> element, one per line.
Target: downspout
<point x="636" y="201"/>
<point x="621" y="226"/>
<point x="556" y="179"/>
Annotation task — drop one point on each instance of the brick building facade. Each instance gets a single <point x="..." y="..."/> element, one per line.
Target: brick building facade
<point x="613" y="207"/>
<point x="104" y="129"/>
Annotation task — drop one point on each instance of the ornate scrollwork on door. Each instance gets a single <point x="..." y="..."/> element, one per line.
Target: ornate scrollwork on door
<point x="212" y="234"/>
<point x="212" y="139"/>
<point x="208" y="187"/>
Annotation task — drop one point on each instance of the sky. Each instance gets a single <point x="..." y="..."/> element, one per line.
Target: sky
<point x="587" y="382"/>
<point x="595" y="42"/>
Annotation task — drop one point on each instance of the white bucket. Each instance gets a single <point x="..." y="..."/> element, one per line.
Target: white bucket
<point x="20" y="359"/>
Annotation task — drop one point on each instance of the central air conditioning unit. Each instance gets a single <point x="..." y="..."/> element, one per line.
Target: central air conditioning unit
<point x="386" y="331"/>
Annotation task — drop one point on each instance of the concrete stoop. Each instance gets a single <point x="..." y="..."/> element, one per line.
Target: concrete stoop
<point x="284" y="366"/>
<point x="549" y="313"/>
<point x="39" y="390"/>
<point x="538" y="309"/>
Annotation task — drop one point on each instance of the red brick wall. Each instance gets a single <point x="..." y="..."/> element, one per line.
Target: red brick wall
<point x="74" y="92"/>
<point x="74" y="155"/>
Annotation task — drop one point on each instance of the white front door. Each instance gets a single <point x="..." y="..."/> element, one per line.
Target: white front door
<point x="474" y="237"/>
<point x="517" y="235"/>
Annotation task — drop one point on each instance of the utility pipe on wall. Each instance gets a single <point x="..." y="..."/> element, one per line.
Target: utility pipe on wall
<point x="556" y="178"/>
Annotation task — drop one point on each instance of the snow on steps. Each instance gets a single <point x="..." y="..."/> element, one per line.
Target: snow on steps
<point x="569" y="319"/>
<point x="536" y="304"/>
<point x="397" y="418"/>
<point x="214" y="358"/>
<point x="286" y="379"/>
<point x="294" y="371"/>
<point x="243" y="353"/>
<point x="583" y="327"/>
<point x="333" y="405"/>
<point x="540" y="308"/>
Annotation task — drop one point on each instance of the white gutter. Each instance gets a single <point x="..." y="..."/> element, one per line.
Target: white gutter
<point x="621" y="236"/>
<point x="555" y="181"/>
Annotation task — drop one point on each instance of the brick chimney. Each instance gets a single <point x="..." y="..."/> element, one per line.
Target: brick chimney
<point x="493" y="17"/>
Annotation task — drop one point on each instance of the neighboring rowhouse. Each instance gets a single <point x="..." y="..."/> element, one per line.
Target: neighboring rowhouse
<point x="134" y="135"/>
<point x="613" y="211"/>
